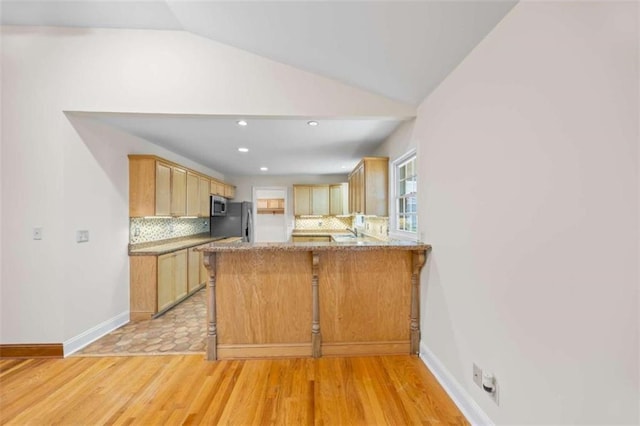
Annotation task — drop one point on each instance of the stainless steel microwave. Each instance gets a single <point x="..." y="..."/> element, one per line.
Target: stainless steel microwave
<point x="218" y="206"/>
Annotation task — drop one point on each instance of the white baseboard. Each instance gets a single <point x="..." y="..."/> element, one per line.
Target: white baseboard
<point x="81" y="340"/>
<point x="470" y="409"/>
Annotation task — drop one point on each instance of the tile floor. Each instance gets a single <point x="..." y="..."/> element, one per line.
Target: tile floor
<point x="182" y="330"/>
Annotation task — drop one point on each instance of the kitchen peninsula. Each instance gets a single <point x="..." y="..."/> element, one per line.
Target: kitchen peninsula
<point x="313" y="298"/>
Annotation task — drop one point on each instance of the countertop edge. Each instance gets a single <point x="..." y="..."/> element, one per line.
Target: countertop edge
<point x="157" y="250"/>
<point x="312" y="246"/>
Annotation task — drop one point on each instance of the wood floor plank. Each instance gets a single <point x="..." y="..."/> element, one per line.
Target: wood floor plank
<point x="186" y="389"/>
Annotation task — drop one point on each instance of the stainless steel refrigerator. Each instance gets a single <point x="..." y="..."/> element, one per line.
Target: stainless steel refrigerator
<point x="238" y="222"/>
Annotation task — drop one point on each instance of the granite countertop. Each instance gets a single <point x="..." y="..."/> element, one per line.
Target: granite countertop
<point x="356" y="245"/>
<point x="156" y="248"/>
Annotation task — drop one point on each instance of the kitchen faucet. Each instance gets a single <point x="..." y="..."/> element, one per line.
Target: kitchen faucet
<point x="354" y="231"/>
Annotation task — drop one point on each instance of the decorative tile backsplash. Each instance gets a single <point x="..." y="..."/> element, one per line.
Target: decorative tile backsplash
<point x="324" y="222"/>
<point x="144" y="230"/>
<point x="377" y="227"/>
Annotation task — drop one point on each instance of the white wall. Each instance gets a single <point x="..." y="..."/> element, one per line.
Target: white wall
<point x="528" y="161"/>
<point x="64" y="178"/>
<point x="270" y="227"/>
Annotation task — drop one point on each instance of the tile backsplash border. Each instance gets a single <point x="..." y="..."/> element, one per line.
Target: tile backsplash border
<point x="144" y="230"/>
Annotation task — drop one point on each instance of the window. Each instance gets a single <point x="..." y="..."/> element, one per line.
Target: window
<point x="406" y="181"/>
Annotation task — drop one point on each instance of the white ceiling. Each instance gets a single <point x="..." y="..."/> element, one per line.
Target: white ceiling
<point x="401" y="50"/>
<point x="285" y="145"/>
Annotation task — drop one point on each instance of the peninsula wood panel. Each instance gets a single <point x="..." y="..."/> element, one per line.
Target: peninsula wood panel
<point x="365" y="296"/>
<point x="263" y="297"/>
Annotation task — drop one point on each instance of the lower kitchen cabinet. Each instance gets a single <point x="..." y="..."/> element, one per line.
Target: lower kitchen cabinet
<point x="159" y="282"/>
<point x="172" y="278"/>
<point x="197" y="272"/>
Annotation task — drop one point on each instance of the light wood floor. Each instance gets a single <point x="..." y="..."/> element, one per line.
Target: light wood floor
<point x="186" y="389"/>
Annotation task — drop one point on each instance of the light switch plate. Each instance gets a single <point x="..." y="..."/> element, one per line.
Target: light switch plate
<point x="82" y="236"/>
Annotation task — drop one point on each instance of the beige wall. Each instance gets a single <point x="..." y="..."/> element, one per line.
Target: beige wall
<point x="528" y="163"/>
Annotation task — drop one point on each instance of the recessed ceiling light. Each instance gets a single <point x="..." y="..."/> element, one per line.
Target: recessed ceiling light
<point x="312" y="123"/>
<point x="242" y="123"/>
<point x="243" y="149"/>
<point x="264" y="169"/>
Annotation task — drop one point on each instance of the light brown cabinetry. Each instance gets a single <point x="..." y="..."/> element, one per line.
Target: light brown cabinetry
<point x="195" y="278"/>
<point x="369" y="186"/>
<point x="229" y="191"/>
<point x="203" y="191"/>
<point x="162" y="190"/>
<point x="172" y="278"/>
<point x="159" y="282"/>
<point x="158" y="187"/>
<point x="301" y="200"/>
<point x="178" y="191"/>
<point x="338" y="199"/>
<point x="217" y="188"/>
<point x="310" y="200"/>
<point x="193" y="194"/>
<point x="320" y="200"/>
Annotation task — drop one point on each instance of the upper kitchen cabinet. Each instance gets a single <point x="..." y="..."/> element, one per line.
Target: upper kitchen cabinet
<point x="217" y="188"/>
<point x="369" y="187"/>
<point x="158" y="187"/>
<point x="223" y="189"/>
<point x="310" y="200"/>
<point x="301" y="200"/>
<point x="204" y="194"/>
<point x="229" y="191"/>
<point x="338" y="199"/>
<point x="193" y="194"/>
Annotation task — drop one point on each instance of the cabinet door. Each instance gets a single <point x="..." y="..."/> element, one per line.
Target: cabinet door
<point x="165" y="280"/>
<point x="229" y="191"/>
<point x="360" y="191"/>
<point x="178" y="191"/>
<point x="301" y="200"/>
<point x="193" y="195"/>
<point x="193" y="275"/>
<point x="375" y="186"/>
<point x="320" y="200"/>
<point x="335" y="201"/>
<point x="163" y="189"/>
<point x="203" y="189"/>
<point x="180" y="278"/>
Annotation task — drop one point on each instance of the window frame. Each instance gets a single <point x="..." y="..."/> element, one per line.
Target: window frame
<point x="395" y="196"/>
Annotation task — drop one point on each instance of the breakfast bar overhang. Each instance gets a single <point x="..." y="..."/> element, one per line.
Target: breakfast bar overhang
<point x="313" y="299"/>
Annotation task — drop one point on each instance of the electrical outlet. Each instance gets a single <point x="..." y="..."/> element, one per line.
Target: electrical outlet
<point x="37" y="233"/>
<point x="477" y="376"/>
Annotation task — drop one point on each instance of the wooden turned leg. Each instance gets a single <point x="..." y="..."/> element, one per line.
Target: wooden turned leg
<point x="212" y="331"/>
<point x="419" y="258"/>
<point x="316" y="338"/>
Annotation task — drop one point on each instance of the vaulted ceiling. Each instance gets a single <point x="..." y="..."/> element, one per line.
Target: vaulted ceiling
<point x="401" y="50"/>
